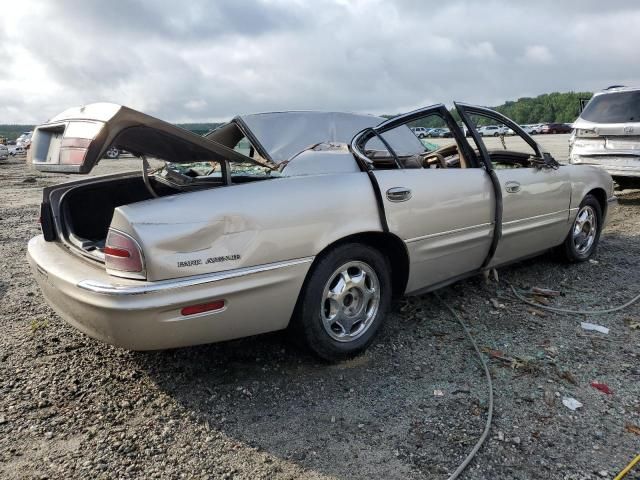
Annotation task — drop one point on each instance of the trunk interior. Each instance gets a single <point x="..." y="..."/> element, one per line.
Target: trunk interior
<point x="87" y="210"/>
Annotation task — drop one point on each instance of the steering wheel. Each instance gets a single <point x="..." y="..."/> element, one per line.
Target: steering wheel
<point x="440" y="154"/>
<point x="433" y="157"/>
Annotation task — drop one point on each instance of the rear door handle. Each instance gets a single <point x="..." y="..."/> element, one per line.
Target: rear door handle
<point x="398" y="194"/>
<point x="512" y="187"/>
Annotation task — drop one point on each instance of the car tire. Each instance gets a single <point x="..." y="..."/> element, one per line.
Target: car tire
<point x="343" y="302"/>
<point x="582" y="240"/>
<point x="496" y="134"/>
<point x="112" y="153"/>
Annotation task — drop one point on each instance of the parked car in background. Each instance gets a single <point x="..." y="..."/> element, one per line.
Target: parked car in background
<point x="445" y="133"/>
<point x="607" y="134"/>
<point x="435" y="132"/>
<point x="555" y="128"/>
<point x="217" y="244"/>
<point x="17" y="150"/>
<point x="4" y="152"/>
<point x="490" y="131"/>
<point x="533" y="129"/>
<point x="420" y="132"/>
<point x="24" y="139"/>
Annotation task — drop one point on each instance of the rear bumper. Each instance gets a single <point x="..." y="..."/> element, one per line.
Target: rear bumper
<point x="140" y="315"/>
<point x="615" y="165"/>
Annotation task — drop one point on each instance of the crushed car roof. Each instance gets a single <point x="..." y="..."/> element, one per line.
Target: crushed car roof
<point x="284" y="134"/>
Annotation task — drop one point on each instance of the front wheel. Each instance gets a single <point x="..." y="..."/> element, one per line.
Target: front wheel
<point x="344" y="302"/>
<point x="584" y="235"/>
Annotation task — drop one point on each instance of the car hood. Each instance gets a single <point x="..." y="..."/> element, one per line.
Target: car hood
<point x="75" y="140"/>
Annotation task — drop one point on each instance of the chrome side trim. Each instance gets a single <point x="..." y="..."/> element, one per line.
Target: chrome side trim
<point x="448" y="232"/>
<point x="164" y="285"/>
<point x="535" y="217"/>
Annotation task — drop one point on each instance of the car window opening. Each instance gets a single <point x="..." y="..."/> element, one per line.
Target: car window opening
<point x="506" y="147"/>
<point x="436" y="146"/>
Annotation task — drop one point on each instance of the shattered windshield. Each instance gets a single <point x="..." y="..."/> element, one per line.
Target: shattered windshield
<point x="255" y="166"/>
<point x="214" y="169"/>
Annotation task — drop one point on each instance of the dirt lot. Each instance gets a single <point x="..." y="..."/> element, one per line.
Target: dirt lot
<point x="71" y="407"/>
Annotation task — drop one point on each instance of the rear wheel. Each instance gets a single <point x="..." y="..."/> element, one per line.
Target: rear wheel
<point x="584" y="235"/>
<point x="344" y="302"/>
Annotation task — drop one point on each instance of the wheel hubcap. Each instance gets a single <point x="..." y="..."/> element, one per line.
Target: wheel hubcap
<point x="350" y="301"/>
<point x="584" y="229"/>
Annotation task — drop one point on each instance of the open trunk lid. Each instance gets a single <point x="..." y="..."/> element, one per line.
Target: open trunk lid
<point x="75" y="140"/>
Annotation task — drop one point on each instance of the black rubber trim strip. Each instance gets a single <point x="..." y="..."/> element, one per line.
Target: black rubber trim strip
<point x="497" y="231"/>
<point x="495" y="183"/>
<point x="378" y="194"/>
<point x="46" y="222"/>
<point x="389" y="149"/>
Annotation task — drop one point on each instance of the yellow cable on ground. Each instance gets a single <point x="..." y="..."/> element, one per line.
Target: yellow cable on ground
<point x="628" y="468"/>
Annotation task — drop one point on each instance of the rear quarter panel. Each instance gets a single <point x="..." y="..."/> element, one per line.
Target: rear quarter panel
<point x="584" y="179"/>
<point x="249" y="224"/>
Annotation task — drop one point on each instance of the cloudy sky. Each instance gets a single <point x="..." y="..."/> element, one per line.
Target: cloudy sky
<point x="208" y="60"/>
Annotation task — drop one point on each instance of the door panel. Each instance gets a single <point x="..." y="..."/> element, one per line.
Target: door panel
<point x="447" y="221"/>
<point x="535" y="189"/>
<point x="535" y="216"/>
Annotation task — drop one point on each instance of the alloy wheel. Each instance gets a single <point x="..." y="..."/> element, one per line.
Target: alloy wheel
<point x="585" y="229"/>
<point x="350" y="301"/>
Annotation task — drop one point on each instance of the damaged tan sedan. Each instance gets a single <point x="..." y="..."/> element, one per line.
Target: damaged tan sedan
<point x="310" y="221"/>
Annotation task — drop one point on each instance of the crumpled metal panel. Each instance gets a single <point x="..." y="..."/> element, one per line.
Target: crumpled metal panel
<point x="285" y="134"/>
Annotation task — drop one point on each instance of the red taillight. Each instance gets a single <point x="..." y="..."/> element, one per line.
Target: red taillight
<point x="73" y="150"/>
<point x="123" y="254"/>
<point x="117" y="252"/>
<point x="202" y="308"/>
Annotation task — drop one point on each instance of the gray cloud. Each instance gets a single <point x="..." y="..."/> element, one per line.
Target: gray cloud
<point x="211" y="60"/>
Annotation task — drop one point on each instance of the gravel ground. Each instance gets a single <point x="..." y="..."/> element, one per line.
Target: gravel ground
<point x="71" y="407"/>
